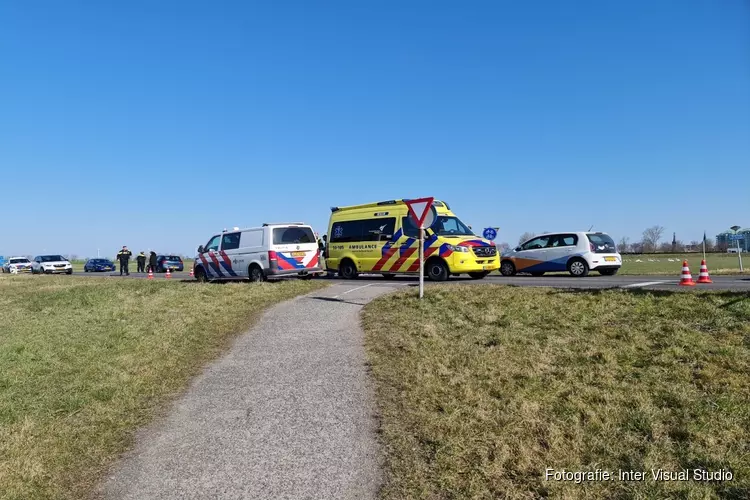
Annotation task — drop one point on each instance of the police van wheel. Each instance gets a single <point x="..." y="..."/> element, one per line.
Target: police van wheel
<point x="200" y="275"/>
<point x="348" y="270"/>
<point x="437" y="270"/>
<point x="256" y="274"/>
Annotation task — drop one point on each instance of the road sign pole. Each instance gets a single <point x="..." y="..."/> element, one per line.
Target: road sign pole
<point x="421" y="263"/>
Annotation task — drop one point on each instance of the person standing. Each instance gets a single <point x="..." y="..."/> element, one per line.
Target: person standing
<point x="141" y="260"/>
<point x="152" y="262"/>
<point x="124" y="257"/>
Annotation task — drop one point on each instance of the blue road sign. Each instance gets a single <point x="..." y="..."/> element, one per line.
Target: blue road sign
<point x="489" y="233"/>
<point x="735" y="237"/>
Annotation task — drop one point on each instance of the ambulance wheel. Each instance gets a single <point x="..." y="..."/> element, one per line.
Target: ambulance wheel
<point x="348" y="270"/>
<point x="255" y="273"/>
<point x="200" y="275"/>
<point x="437" y="270"/>
<point x="479" y="275"/>
<point x="389" y="276"/>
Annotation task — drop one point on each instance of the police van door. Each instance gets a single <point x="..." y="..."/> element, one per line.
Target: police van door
<point x="230" y="257"/>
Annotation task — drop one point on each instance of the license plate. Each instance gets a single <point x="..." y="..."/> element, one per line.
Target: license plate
<point x="610" y="259"/>
<point x="298" y="254"/>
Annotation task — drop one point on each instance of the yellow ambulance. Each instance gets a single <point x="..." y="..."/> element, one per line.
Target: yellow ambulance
<point x="381" y="238"/>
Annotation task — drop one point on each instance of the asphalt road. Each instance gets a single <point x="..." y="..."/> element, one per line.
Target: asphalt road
<point x="736" y="283"/>
<point x="288" y="413"/>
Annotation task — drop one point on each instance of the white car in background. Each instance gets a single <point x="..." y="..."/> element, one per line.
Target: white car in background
<point x="575" y="252"/>
<point x="17" y="265"/>
<point x="51" y="264"/>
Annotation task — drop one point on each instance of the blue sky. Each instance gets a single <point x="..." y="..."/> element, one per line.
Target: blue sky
<point x="155" y="124"/>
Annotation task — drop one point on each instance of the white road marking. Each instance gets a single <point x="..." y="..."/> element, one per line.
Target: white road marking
<point x="351" y="290"/>
<point x="648" y="283"/>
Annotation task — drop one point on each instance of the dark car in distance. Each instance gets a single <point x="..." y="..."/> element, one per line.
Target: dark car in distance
<point x="171" y="262"/>
<point x="98" y="265"/>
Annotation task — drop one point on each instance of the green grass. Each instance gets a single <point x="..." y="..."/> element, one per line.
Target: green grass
<point x="84" y="363"/>
<point x="718" y="263"/>
<point x="482" y="388"/>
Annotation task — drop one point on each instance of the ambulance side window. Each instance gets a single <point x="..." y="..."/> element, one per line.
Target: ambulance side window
<point x="213" y="244"/>
<point x="410" y="229"/>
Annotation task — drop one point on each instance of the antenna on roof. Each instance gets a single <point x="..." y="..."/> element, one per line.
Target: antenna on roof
<point x="592" y="227"/>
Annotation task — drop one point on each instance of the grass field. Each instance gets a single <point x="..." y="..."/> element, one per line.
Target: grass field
<point x="481" y="389"/>
<point x="83" y="363"/>
<point x="718" y="263"/>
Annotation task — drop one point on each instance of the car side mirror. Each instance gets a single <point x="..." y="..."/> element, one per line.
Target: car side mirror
<point x="517" y="249"/>
<point x="200" y="249"/>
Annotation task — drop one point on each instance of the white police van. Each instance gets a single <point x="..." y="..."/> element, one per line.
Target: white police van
<point x="258" y="253"/>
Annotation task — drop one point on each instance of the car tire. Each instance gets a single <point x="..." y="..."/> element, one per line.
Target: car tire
<point x="578" y="268"/>
<point x="348" y="270"/>
<point x="479" y="275"/>
<point x="507" y="268"/>
<point x="200" y="275"/>
<point x="608" y="272"/>
<point x="255" y="274"/>
<point x="69" y="272"/>
<point x="437" y="270"/>
<point x="537" y="274"/>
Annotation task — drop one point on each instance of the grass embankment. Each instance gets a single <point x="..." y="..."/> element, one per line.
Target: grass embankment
<point x="482" y="388"/>
<point x="718" y="263"/>
<point x="84" y="362"/>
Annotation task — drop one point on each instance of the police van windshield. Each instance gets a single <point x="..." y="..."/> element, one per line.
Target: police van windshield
<point x="450" y="226"/>
<point x="289" y="235"/>
<point x="18" y="261"/>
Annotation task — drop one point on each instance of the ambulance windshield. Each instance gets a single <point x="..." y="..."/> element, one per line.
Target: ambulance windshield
<point x="450" y="226"/>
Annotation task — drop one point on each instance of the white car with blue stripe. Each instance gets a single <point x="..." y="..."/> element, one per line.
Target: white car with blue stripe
<point x="258" y="253"/>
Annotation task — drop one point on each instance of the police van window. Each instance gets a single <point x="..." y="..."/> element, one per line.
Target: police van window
<point x="292" y="235"/>
<point x="230" y="241"/>
<point x="252" y="239"/>
<point x="213" y="244"/>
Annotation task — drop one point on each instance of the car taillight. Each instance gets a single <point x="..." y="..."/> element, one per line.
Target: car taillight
<point x="273" y="260"/>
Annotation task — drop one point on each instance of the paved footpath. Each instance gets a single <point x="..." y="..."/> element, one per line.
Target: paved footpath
<point x="288" y="413"/>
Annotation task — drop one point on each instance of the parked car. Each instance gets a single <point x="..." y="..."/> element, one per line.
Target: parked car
<point x="98" y="265"/>
<point x="51" y="264"/>
<point x="171" y="262"/>
<point x="575" y="252"/>
<point x="17" y="265"/>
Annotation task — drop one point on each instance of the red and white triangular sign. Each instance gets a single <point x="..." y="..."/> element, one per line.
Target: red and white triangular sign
<point x="419" y="208"/>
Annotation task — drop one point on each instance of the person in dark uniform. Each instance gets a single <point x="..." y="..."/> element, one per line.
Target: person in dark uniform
<point x="141" y="260"/>
<point x="152" y="262"/>
<point x="124" y="257"/>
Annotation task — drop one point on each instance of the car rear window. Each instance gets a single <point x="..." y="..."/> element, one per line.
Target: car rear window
<point x="174" y="257"/>
<point x="602" y="243"/>
<point x="288" y="235"/>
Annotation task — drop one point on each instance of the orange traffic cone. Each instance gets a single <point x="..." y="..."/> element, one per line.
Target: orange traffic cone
<point x="150" y="274"/>
<point x="169" y="274"/>
<point x="704" y="277"/>
<point x="687" y="278"/>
